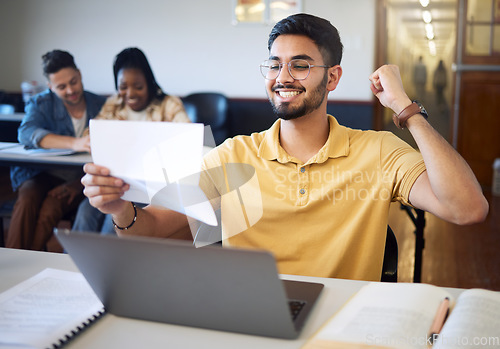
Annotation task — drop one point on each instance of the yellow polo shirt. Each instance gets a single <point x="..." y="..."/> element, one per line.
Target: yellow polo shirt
<point x="326" y="217"/>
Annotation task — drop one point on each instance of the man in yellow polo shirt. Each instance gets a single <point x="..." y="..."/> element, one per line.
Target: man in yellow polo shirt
<point x="314" y="193"/>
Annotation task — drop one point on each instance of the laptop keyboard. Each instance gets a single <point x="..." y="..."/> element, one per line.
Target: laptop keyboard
<point x="295" y="308"/>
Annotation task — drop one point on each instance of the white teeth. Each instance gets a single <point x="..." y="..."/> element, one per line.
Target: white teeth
<point x="287" y="94"/>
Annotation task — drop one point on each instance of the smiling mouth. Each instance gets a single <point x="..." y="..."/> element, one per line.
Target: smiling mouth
<point x="287" y="91"/>
<point x="288" y="94"/>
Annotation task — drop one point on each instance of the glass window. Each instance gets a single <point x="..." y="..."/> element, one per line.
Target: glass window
<point x="479" y="10"/>
<point x="478" y="40"/>
<point x="482" y="28"/>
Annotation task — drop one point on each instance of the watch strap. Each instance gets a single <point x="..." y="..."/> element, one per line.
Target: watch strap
<point x="401" y="118"/>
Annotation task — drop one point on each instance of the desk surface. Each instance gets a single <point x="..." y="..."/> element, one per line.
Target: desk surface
<point x="73" y="160"/>
<point x="117" y="332"/>
<point x="14" y="117"/>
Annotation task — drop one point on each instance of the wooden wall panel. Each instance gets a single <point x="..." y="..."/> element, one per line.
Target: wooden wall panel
<point x="479" y="122"/>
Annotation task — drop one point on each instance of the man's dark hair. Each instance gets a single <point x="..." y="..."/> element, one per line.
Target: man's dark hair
<point x="133" y="57"/>
<point x="321" y="31"/>
<point x="55" y="60"/>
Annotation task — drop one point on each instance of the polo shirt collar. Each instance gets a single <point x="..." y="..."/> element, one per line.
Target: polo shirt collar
<point x="337" y="144"/>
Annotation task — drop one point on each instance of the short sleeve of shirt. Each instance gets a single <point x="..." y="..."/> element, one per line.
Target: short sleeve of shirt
<point x="403" y="163"/>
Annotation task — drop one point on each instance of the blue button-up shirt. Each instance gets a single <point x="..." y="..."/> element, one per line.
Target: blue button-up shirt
<point x="46" y="113"/>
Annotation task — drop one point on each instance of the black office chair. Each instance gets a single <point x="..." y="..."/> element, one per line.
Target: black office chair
<point x="390" y="264"/>
<point x="209" y="108"/>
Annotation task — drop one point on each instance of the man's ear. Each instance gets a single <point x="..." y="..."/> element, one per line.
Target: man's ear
<point x="334" y="75"/>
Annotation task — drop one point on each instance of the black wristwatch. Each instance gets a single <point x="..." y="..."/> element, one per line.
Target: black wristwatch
<point x="422" y="109"/>
<point x="413" y="109"/>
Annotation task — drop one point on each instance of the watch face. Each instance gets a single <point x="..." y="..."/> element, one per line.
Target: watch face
<point x="422" y="109"/>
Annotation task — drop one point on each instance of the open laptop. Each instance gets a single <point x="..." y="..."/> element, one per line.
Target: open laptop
<point x="171" y="281"/>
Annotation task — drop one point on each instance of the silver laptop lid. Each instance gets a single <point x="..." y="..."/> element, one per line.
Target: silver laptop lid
<point x="172" y="281"/>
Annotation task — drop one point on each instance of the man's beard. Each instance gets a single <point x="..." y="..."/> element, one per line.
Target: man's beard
<point x="285" y="112"/>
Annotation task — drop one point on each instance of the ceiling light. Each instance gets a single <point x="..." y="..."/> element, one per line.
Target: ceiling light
<point x="432" y="48"/>
<point x="426" y="16"/>
<point x="429" y="31"/>
<point x="424" y="3"/>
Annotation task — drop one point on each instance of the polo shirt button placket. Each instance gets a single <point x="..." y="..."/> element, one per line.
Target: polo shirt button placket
<point x="303" y="184"/>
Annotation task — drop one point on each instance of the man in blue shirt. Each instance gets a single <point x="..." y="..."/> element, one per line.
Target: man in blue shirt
<point x="55" y="118"/>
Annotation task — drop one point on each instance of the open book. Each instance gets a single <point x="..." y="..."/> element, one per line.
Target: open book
<point x="47" y="310"/>
<point x="400" y="316"/>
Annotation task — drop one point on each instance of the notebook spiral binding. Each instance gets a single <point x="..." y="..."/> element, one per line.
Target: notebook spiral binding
<point x="79" y="329"/>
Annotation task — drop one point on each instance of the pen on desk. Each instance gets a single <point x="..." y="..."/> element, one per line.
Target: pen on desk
<point x="439" y="319"/>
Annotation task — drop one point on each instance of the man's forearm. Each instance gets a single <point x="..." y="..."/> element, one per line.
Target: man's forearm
<point x="57" y="141"/>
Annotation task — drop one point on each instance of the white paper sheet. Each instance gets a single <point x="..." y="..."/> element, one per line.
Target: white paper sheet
<point x="46" y="308"/>
<point x="160" y="160"/>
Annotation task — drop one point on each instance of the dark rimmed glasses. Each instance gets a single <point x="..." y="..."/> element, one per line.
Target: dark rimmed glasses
<point x="299" y="69"/>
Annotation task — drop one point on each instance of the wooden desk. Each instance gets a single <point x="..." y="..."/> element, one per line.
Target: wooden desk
<point x="117" y="332"/>
<point x="72" y="161"/>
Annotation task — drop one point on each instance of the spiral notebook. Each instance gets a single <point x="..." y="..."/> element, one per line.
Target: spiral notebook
<point x="47" y="310"/>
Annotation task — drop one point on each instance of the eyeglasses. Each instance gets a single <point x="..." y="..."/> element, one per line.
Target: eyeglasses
<point x="299" y="69"/>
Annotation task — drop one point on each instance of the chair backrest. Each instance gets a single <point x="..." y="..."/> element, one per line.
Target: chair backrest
<point x="210" y="108"/>
<point x="390" y="265"/>
<point x="7" y="109"/>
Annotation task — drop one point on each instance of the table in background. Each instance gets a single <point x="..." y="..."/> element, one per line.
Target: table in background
<point x="14" y="117"/>
<point x="52" y="161"/>
<point x="73" y="161"/>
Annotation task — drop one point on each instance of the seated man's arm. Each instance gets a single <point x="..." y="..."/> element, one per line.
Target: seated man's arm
<point x="448" y="188"/>
<point x="53" y="140"/>
<point x="36" y="130"/>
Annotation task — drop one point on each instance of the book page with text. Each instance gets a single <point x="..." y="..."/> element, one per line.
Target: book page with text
<point x="474" y="321"/>
<point x="384" y="314"/>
